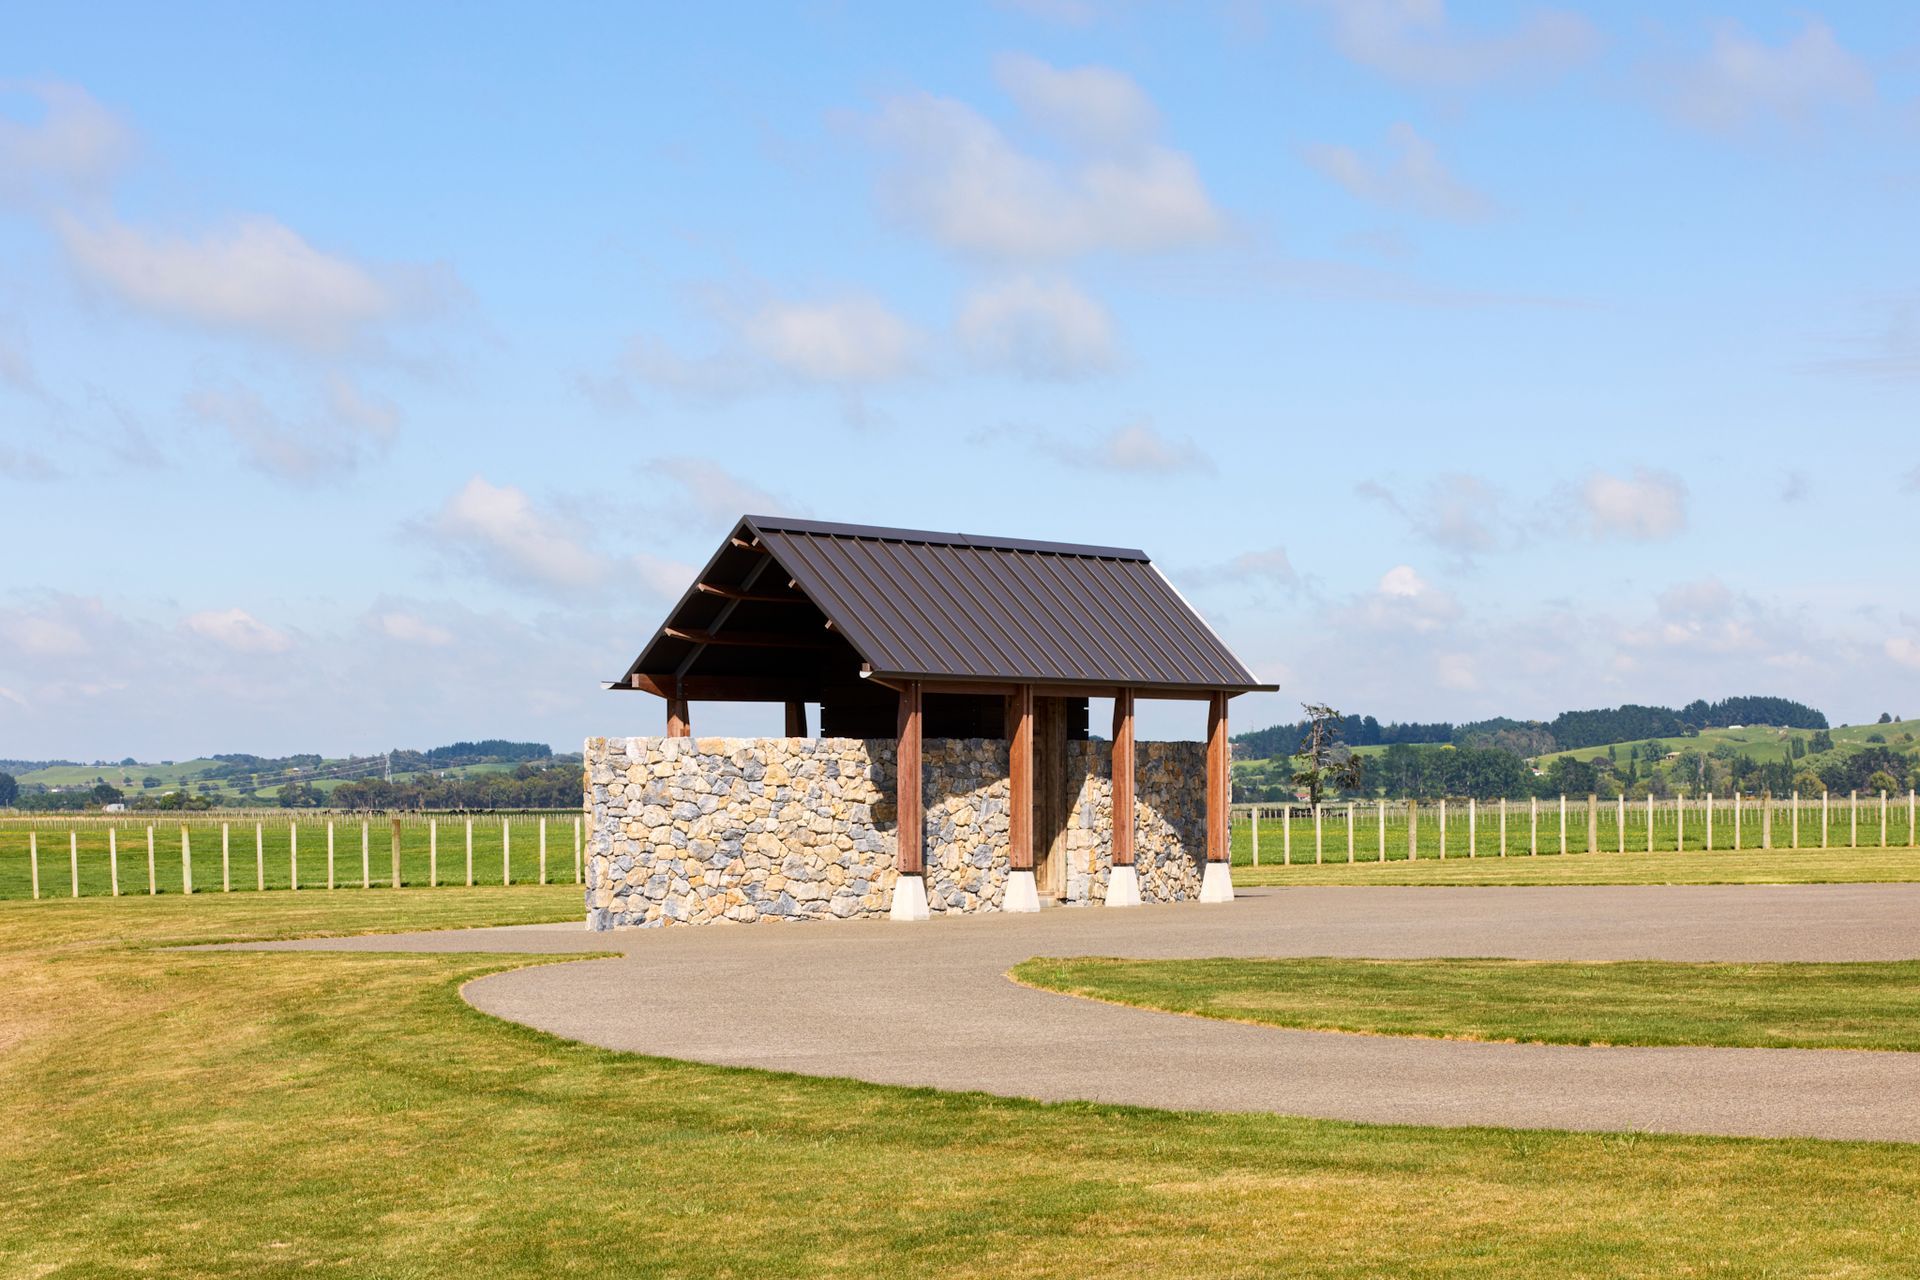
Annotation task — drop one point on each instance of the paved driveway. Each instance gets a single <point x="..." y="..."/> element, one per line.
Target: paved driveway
<point x="928" y="1004"/>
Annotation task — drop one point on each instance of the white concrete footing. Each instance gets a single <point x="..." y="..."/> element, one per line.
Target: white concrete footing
<point x="1217" y="884"/>
<point x="1022" y="895"/>
<point x="1123" y="887"/>
<point x="909" y="899"/>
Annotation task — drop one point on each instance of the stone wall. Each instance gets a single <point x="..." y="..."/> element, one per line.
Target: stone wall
<point x="690" y="830"/>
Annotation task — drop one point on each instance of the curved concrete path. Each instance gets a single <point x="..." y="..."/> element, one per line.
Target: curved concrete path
<point x="928" y="1004"/>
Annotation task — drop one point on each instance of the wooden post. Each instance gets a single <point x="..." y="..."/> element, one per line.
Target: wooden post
<point x="1853" y="820"/>
<point x="433" y="852"/>
<point x="1254" y="832"/>
<point x="469" y="853"/>
<point x="1736" y="820"/>
<point x="543" y="849"/>
<point x="1503" y="826"/>
<point x="33" y="859"/>
<point x="1796" y="820"/>
<point x="293" y="854"/>
<point x="1349" y="831"/>
<point x="153" y="877"/>
<point x="1286" y="835"/>
<point x="330" y="875"/>
<point x="1413" y="830"/>
<point x="186" y="864"/>
<point x="113" y="859"/>
<point x="394" y="849"/>
<point x="679" y="722"/>
<point x="1593" y="823"/>
<point x="796" y="718"/>
<point x="226" y="861"/>
<point x="1473" y="824"/>
<point x="577" y="874"/>
<point x="910" y="817"/>
<point x="73" y="854"/>
<point x="259" y="858"/>
<point x="1219" y="778"/>
<point x="1020" y="778"/>
<point x="1620" y="822"/>
<point x="1443" y="831"/>
<point x="1680" y="824"/>
<point x="366" y="854"/>
<point x="1383" y="829"/>
<point x="1318" y="844"/>
<point x="1709" y="822"/>
<point x="1563" y="824"/>
<point x="1911" y="809"/>
<point x="1123" y="771"/>
<point x="1823" y="817"/>
<point x="1883" y="819"/>
<point x="506" y="851"/>
<point x="1649" y="821"/>
<point x="1766" y="820"/>
<point x="1533" y="826"/>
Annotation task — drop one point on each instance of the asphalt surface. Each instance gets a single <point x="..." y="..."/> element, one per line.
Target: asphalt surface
<point x="929" y="1004"/>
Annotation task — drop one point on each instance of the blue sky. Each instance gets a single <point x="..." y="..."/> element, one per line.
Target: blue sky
<point x="375" y="376"/>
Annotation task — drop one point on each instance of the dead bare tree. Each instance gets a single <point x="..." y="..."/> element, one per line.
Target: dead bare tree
<point x="1327" y="760"/>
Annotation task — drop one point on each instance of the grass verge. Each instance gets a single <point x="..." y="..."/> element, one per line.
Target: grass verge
<point x="265" y="1114"/>
<point x="1805" y="866"/>
<point x="1867" y="1005"/>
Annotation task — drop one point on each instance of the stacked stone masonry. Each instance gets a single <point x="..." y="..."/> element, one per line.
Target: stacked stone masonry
<point x="692" y="830"/>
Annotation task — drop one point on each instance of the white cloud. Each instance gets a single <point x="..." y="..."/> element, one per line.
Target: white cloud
<point x="1267" y="567"/>
<point x="255" y="277"/>
<point x="1456" y="671"/>
<point x="348" y="429"/>
<point x="711" y="494"/>
<point x="1091" y="107"/>
<point x="1136" y="448"/>
<point x="964" y="183"/>
<point x="1403" y="601"/>
<point x="1742" y="79"/>
<point x="26" y="464"/>
<point x="1037" y="328"/>
<point x="75" y="147"/>
<point x="851" y="341"/>
<point x="410" y="628"/>
<point x="1646" y="506"/>
<point x="1413" y="178"/>
<point x="1068" y="13"/>
<point x="237" y="630"/>
<point x="1414" y="42"/>
<point x="499" y="531"/>
<point x="43" y="635"/>
<point x="16" y="367"/>
<point x="1458" y="512"/>
<point x="1903" y="650"/>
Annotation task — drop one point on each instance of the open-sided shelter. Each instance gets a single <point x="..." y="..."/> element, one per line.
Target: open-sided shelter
<point x="953" y="659"/>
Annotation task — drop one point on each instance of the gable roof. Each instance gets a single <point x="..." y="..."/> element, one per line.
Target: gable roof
<point x="913" y="604"/>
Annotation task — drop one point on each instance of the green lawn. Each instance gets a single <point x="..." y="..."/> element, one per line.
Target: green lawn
<point x="209" y="1114"/>
<point x="1776" y="866"/>
<point x="1772" y="1006"/>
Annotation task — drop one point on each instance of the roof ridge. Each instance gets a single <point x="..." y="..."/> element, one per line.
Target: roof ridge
<point x="931" y="537"/>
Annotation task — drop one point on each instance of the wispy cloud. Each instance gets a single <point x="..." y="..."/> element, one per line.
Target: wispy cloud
<point x="1416" y="43"/>
<point x="1413" y="178"/>
<point x="1644" y="505"/>
<point x="1045" y="329"/>
<point x="1741" y="80"/>
<point x="345" y="430"/>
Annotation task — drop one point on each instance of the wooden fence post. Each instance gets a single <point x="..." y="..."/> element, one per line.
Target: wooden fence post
<point x="1253" y="833"/>
<point x="469" y="853"/>
<point x="506" y="852"/>
<point x="1349" y="831"/>
<point x="1620" y="822"/>
<point x="366" y="854"/>
<point x="1883" y="819"/>
<point x="395" y="849"/>
<point x="1766" y="820"/>
<point x="330" y="877"/>
<point x="1533" y="826"/>
<point x="1413" y="830"/>
<point x="1503" y="826"/>
<point x="1853" y="820"/>
<point x="1473" y="824"/>
<point x="33" y="859"/>
<point x="153" y="876"/>
<point x="113" y="859"/>
<point x="1824" y="793"/>
<point x="1383" y="830"/>
<point x="1563" y="823"/>
<point x="1286" y="835"/>
<point x="259" y="857"/>
<point x="1796" y="819"/>
<point x="1736" y="820"/>
<point x="186" y="863"/>
<point x="293" y="854"/>
<point x="1316" y="834"/>
<point x="226" y="858"/>
<point x="1593" y="823"/>
<point x="543" y="850"/>
<point x="1709" y="822"/>
<point x="1443" y="831"/>
<point x="433" y="853"/>
<point x="73" y="857"/>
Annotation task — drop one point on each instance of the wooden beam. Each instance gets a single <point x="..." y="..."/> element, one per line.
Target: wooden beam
<point x="796" y="718"/>
<point x="743" y="545"/>
<point x="1056" y="688"/>
<point x="747" y="639"/>
<point x="726" y="688"/>
<point x="679" y="721"/>
<point x="1219" y="779"/>
<point x="751" y="597"/>
<point x="910" y="817"/>
<point x="1020" y="778"/>
<point x="1123" y="778"/>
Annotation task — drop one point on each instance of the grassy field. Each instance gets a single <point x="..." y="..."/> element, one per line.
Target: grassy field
<point x="1806" y="866"/>
<point x="214" y="1114"/>
<point x="1770" y="1006"/>
<point x="504" y="847"/>
<point x="191" y="773"/>
<point x="1764" y="743"/>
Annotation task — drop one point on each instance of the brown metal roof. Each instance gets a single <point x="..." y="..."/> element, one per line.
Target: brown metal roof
<point x="956" y="607"/>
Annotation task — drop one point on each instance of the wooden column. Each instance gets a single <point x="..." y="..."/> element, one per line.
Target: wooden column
<point x="1219" y="780"/>
<point x="911" y="817"/>
<point x="796" y="719"/>
<point x="1123" y="778"/>
<point x="679" y="722"/>
<point x="1020" y="778"/>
